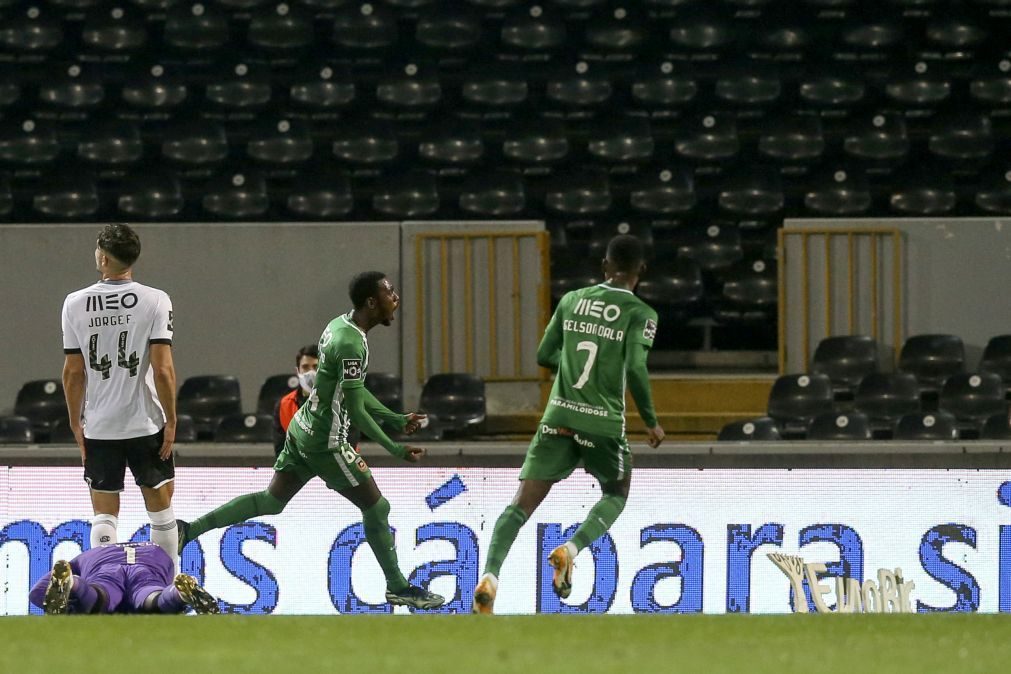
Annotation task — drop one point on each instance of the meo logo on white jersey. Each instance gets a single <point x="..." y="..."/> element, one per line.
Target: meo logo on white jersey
<point x="597" y="309"/>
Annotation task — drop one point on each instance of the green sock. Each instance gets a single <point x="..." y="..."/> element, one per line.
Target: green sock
<point x="239" y="509"/>
<point x="602" y="515"/>
<point x="507" y="527"/>
<point x="380" y="538"/>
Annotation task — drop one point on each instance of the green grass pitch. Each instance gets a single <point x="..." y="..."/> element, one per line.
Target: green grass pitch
<point x="856" y="644"/>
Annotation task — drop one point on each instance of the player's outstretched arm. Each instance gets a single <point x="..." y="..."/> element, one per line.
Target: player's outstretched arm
<point x="384" y="414"/>
<point x="355" y="397"/>
<point x="74" y="384"/>
<point x="165" y="385"/>
<point x="638" y="384"/>
<point x="549" y="351"/>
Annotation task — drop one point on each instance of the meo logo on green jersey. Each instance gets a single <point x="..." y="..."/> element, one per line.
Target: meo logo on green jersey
<point x="597" y="309"/>
<point x="352" y="368"/>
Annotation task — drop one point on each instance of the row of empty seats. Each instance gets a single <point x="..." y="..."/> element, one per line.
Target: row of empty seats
<point x="847" y="396"/>
<point x="210" y="408"/>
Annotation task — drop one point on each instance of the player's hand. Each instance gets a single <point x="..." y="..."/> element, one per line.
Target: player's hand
<point x="78" y="432"/>
<point x="415" y="422"/>
<point x="655" y="436"/>
<point x="165" y="453"/>
<point x="413" y="454"/>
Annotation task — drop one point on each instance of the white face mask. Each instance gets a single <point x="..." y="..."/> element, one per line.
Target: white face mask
<point x="307" y="380"/>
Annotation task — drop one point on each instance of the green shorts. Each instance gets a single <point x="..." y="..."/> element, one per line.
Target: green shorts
<point x="555" y="452"/>
<point x="340" y="469"/>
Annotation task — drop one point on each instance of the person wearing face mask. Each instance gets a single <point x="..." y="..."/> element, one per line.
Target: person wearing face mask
<point x="306" y="363"/>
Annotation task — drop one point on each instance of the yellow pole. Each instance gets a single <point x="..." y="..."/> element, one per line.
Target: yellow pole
<point x="806" y="301"/>
<point x="517" y="332"/>
<point x="781" y="289"/>
<point x="468" y="309"/>
<point x="492" y="309"/>
<point x="444" y="339"/>
<point x="852" y="284"/>
<point x="419" y="289"/>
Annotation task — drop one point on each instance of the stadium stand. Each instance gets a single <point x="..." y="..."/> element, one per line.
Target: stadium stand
<point x="846" y="359"/>
<point x="885" y="397"/>
<point x="762" y="428"/>
<point x="244" y="428"/>
<point x="797" y="399"/>
<point x="387" y="388"/>
<point x="207" y="399"/>
<point x="934" y="426"/>
<point x="15" y="430"/>
<point x="273" y="389"/>
<point x="972" y="399"/>
<point x="997" y="359"/>
<point x="42" y="402"/>
<point x="455" y="401"/>
<point x="840" y="426"/>
<point x="932" y="359"/>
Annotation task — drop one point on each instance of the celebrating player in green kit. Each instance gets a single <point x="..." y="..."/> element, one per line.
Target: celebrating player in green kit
<point x="317" y="441"/>
<point x="597" y="340"/>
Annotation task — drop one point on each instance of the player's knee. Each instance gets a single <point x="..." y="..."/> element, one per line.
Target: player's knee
<point x="267" y="504"/>
<point x="380" y="509"/>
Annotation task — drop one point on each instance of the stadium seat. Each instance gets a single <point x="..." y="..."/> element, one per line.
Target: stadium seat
<point x="749" y="294"/>
<point x="923" y="190"/>
<point x="30" y="28"/>
<point x="412" y="195"/>
<point x="956" y="31"/>
<point x="708" y="138"/>
<point x="874" y="36"/>
<point x="196" y="27"/>
<point x="366" y="143"/>
<point x="11" y="85"/>
<point x="151" y="194"/>
<point x="962" y="137"/>
<point x="997" y="359"/>
<point x="828" y="87"/>
<point x="154" y="89"/>
<point x="273" y="389"/>
<point x="936" y="426"/>
<point x="994" y="192"/>
<point x="207" y="399"/>
<point x="663" y="192"/>
<point x="280" y="141"/>
<point x="281" y="28"/>
<point x="28" y="142"/>
<point x="990" y="84"/>
<point x="186" y="429"/>
<point x="664" y="86"/>
<point x="6" y="196"/>
<point x="456" y="402"/>
<point x="932" y="359"/>
<point x="111" y="142"/>
<point x="885" y="398"/>
<point x="16" y="430"/>
<point x="752" y="192"/>
<point x="972" y="399"/>
<point x="364" y="30"/>
<point x="917" y="85"/>
<point x="493" y="88"/>
<point x="240" y="194"/>
<point x="879" y="137"/>
<point x="242" y="428"/>
<point x="615" y="31"/>
<point x="449" y="30"/>
<point x="840" y="426"/>
<point x="760" y="429"/>
<point x="535" y="142"/>
<point x="577" y="89"/>
<point x="797" y="138"/>
<point x="452" y="143"/>
<point x="321" y="193"/>
<point x="996" y="427"/>
<point x="579" y="193"/>
<point x="322" y="87"/>
<point x="195" y="143"/>
<point x="571" y="272"/>
<point x="533" y="32"/>
<point x="838" y="191"/>
<point x="42" y="402"/>
<point x="602" y="231"/>
<point x="701" y="32"/>
<point x="797" y="399"/>
<point x="747" y="84"/>
<point x="239" y="86"/>
<point x="70" y="194"/>
<point x="846" y="359"/>
<point x="71" y="88"/>
<point x="621" y="139"/>
<point x="673" y="287"/>
<point x="387" y="387"/>
<point x="408" y="88"/>
<point x="493" y="194"/>
<point x="118" y="28"/>
<point x="715" y="247"/>
<point x="60" y="433"/>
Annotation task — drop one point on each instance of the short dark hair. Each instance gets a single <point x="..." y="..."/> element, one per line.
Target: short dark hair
<point x="626" y="253"/>
<point x="311" y="350"/>
<point x="363" y="286"/>
<point x="121" y="242"/>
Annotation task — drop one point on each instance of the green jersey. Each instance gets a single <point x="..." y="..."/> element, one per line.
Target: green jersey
<point x="590" y="336"/>
<point x="322" y="423"/>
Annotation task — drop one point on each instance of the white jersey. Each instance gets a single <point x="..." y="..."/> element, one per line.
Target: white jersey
<point x="112" y="324"/>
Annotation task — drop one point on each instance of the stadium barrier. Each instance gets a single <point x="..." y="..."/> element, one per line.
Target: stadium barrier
<point x="694" y="537"/>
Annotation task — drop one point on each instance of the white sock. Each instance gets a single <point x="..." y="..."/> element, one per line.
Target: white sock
<point x="573" y="550"/>
<point x="165" y="534"/>
<point x="103" y="529"/>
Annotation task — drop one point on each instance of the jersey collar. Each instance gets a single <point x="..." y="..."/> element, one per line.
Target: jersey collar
<point x="608" y="286"/>
<point x="347" y="319"/>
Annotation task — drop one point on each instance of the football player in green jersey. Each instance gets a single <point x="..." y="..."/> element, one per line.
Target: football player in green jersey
<point x="597" y="341"/>
<point x="317" y="441"/>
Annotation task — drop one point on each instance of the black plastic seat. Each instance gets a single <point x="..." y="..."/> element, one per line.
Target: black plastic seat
<point x="793" y="139"/>
<point x="154" y="88"/>
<point x="708" y="138"/>
<point x="872" y="37"/>
<point x="997" y="359"/>
<point x="749" y="294"/>
<point x="239" y="194"/>
<point x="28" y="142"/>
<point x="838" y="191"/>
<point x="60" y="433"/>
<point x="69" y="194"/>
<point x="151" y="194"/>
<point x="118" y="28"/>
<point x="715" y="247"/>
<point x="532" y="31"/>
<point x="321" y="193"/>
<point x="366" y="143"/>
<point x="962" y="137"/>
<point x="494" y="87"/>
<point x="579" y="193"/>
<point x="827" y="87"/>
<point x="879" y="137"/>
<point x="186" y="428"/>
<point x="750" y="430"/>
<point x="846" y="359"/>
<point x="931" y="426"/>
<point x="16" y="430"/>
<point x="30" y="28"/>
<point x="797" y="399"/>
<point x="282" y="28"/>
<point x="932" y="359"/>
<point x="701" y="32"/>
<point x="6" y="196"/>
<point x="243" y="428"/>
<point x="281" y="141"/>
<point x="602" y="231"/>
<point x="72" y="88"/>
<point x="917" y="85"/>
<point x="673" y="287"/>
<point x="452" y="143"/>
<point x="748" y="85"/>
<point x="956" y="32"/>
<point x="449" y="29"/>
<point x="195" y="27"/>
<point x="752" y="192"/>
<point x="840" y="426"/>
<point x="578" y="88"/>
<point x="456" y="401"/>
<point x="409" y="88"/>
<point x="972" y="399"/>
<point x="387" y="387"/>
<point x="414" y="194"/>
<point x="273" y="389"/>
<point x="12" y="83"/>
<point x="994" y="192"/>
<point x="665" y="191"/>
<point x="322" y="87"/>
<point x="111" y="142"/>
<point x="571" y="272"/>
<point x="239" y="86"/>
<point x="208" y="398"/>
<point x="42" y="402"/>
<point x="615" y="31"/>
<point x="990" y="84"/>
<point x="493" y="194"/>
<point x="923" y="190"/>
<point x="365" y="30"/>
<point x="886" y="397"/>
<point x="623" y="139"/>
<point x="997" y="427"/>
<point x="664" y="86"/>
<point x="196" y="143"/>
<point x="535" y="142"/>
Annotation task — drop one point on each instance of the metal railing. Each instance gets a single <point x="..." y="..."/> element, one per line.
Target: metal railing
<point x="849" y="240"/>
<point x="440" y="259"/>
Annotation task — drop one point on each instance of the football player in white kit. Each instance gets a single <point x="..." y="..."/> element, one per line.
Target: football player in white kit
<point x="120" y="384"/>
